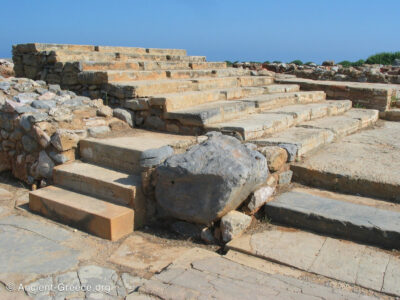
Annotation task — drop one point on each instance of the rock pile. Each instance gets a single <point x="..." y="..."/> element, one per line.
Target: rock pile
<point x="41" y="125"/>
<point x="329" y="71"/>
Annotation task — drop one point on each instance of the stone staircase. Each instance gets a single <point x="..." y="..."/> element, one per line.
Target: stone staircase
<point x="169" y="92"/>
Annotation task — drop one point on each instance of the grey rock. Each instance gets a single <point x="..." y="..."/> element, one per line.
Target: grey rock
<point x="40" y="104"/>
<point x="98" y="131"/>
<point x="74" y="102"/>
<point x="207" y="235"/>
<point x="291" y="150"/>
<point x="67" y="284"/>
<point x="45" y="165"/>
<point x="154" y="157"/>
<point x="25" y="98"/>
<point x="54" y="88"/>
<point x="4" y="134"/>
<point x="233" y="224"/>
<point x="104" y="111"/>
<point x="125" y="115"/>
<point x="38" y="117"/>
<point x="25" y="109"/>
<point x="42" y="83"/>
<point x="25" y="123"/>
<point x="59" y="158"/>
<point x="5" y="86"/>
<point x="29" y="143"/>
<point x="285" y="177"/>
<point x="154" y="122"/>
<point x="210" y="179"/>
<point x="41" y="90"/>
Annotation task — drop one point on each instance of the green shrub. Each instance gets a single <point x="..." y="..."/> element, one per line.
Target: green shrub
<point x="277" y="62"/>
<point x="308" y="63"/>
<point x="297" y="62"/>
<point x="267" y="62"/>
<point x="228" y="63"/>
<point x="383" y="58"/>
<point x="346" y="63"/>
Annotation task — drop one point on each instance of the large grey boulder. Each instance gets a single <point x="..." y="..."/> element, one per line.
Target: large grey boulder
<point x="210" y="179"/>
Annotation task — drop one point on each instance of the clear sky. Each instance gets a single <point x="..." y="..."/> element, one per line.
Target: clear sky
<point x="252" y="30"/>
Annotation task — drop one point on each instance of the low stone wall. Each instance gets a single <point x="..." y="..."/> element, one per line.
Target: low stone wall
<point x="41" y="125"/>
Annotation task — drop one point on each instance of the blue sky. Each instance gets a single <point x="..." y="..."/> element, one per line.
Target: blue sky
<point x="253" y="30"/>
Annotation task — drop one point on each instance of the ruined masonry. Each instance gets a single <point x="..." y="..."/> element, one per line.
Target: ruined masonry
<point x="182" y="98"/>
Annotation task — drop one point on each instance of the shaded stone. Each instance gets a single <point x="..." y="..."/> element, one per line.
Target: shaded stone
<point x="154" y="157"/>
<point x="25" y="98"/>
<point x="45" y="165"/>
<point x="104" y="111"/>
<point x="210" y="179"/>
<point x="233" y="224"/>
<point x="98" y="131"/>
<point x="98" y="279"/>
<point x="38" y="117"/>
<point x="25" y="123"/>
<point x="41" y="137"/>
<point x="285" y="177"/>
<point x="39" y="104"/>
<point x="29" y="143"/>
<point x="64" y="140"/>
<point x="125" y="115"/>
<point x="185" y="229"/>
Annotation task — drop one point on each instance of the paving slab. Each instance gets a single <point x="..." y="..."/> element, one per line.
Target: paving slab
<point x="338" y="259"/>
<point x="140" y="254"/>
<point x="365" y="163"/>
<point x="220" y="278"/>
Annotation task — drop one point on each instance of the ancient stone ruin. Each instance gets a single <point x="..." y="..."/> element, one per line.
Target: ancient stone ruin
<point x="116" y="139"/>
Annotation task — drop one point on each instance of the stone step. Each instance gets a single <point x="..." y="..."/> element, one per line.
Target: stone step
<point x="149" y="65"/>
<point x="100" y="77"/>
<point x="221" y="111"/>
<point x="177" y="101"/>
<point x="39" y="47"/>
<point x="272" y="100"/>
<point x="105" y="183"/>
<point x="364" y="163"/>
<point x="214" y="112"/>
<point x="367" y="95"/>
<point x="93" y="215"/>
<point x="124" y="153"/>
<point x="134" y="50"/>
<point x="146" y="88"/>
<point x="268" y="122"/>
<point x="308" y="136"/>
<point x="67" y="56"/>
<point x="329" y="216"/>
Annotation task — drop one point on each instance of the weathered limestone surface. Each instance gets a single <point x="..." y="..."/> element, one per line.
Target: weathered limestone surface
<point x="345" y="261"/>
<point x="331" y="216"/>
<point x="210" y="179"/>
<point x="364" y="163"/>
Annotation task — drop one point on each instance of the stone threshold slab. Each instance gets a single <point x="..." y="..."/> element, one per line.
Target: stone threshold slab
<point x="357" y="264"/>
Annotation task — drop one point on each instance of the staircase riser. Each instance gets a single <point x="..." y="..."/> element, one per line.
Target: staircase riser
<point x="343" y="184"/>
<point x="94" y="187"/>
<point x="111" y="229"/>
<point x="107" y="155"/>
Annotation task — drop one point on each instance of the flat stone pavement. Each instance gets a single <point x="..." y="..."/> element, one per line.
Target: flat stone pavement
<point x="41" y="259"/>
<point x="365" y="163"/>
<point x="345" y="261"/>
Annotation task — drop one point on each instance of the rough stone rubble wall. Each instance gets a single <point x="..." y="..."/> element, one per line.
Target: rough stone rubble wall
<point x="41" y="125"/>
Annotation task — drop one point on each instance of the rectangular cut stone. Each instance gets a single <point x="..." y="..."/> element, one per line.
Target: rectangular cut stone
<point x="372" y="268"/>
<point x="392" y="277"/>
<point x="338" y="260"/>
<point x="328" y="216"/>
<point x="304" y="139"/>
<point x="254" y="125"/>
<point x="370" y="95"/>
<point x="98" y="217"/>
<point x="209" y="113"/>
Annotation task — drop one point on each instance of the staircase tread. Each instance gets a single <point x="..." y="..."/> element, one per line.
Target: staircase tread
<point x="100" y="173"/>
<point x="92" y="205"/>
<point x="340" y="211"/>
